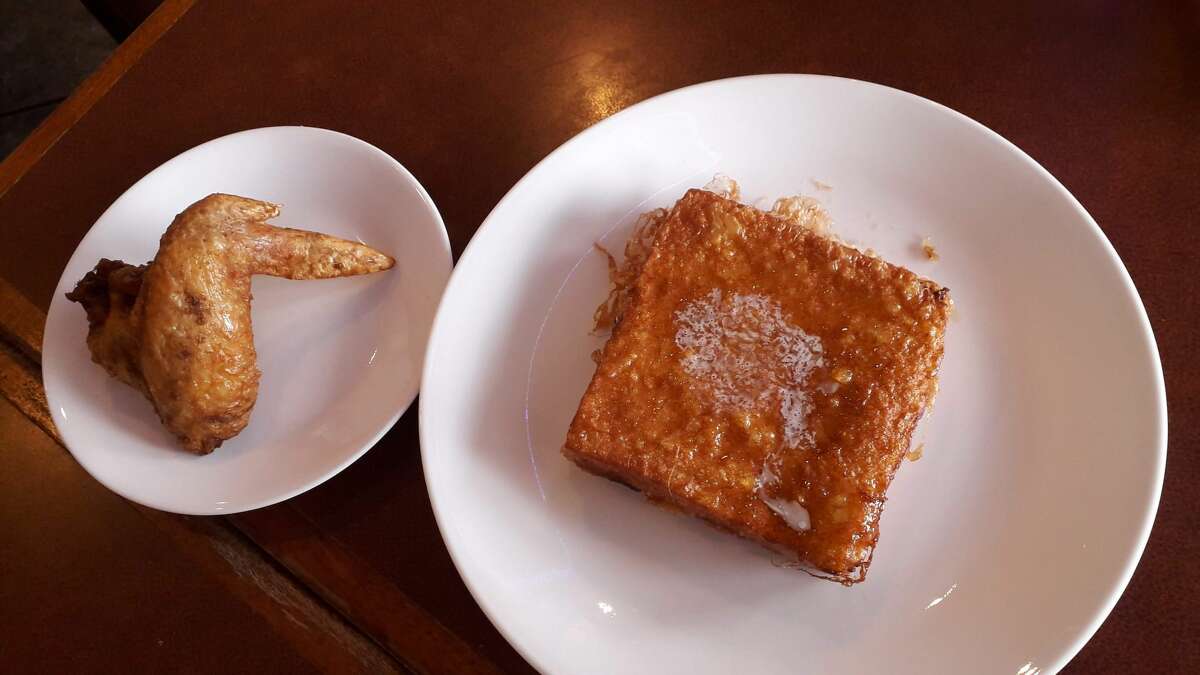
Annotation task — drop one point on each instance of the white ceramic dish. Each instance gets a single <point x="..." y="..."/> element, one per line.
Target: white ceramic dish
<point x="341" y="358"/>
<point x="1002" y="549"/>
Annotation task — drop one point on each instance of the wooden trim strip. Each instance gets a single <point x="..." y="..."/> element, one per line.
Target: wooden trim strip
<point x="70" y="111"/>
<point x="378" y="608"/>
<point x="21" y="323"/>
<point x="317" y="632"/>
<point x="21" y="384"/>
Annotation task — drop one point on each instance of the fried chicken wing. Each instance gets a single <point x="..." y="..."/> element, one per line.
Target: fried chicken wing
<point x="178" y="328"/>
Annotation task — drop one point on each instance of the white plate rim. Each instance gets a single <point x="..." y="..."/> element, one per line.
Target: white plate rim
<point x="443" y="251"/>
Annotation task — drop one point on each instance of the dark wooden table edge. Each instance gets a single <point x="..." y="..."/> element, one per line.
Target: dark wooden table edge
<point x="276" y="551"/>
<point x="70" y="111"/>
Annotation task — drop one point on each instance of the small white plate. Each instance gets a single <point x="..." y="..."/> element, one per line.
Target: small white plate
<point x="341" y="358"/>
<point x="1002" y="549"/>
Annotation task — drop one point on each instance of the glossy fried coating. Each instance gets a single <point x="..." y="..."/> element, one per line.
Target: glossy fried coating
<point x="178" y="328"/>
<point x="766" y="379"/>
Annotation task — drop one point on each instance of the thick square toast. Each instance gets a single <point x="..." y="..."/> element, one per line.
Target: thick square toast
<point x="765" y="378"/>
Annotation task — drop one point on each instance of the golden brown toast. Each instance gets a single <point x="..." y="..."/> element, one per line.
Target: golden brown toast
<point x="765" y="378"/>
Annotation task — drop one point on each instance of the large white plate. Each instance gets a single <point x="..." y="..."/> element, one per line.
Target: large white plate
<point x="1002" y="549"/>
<point x="341" y="358"/>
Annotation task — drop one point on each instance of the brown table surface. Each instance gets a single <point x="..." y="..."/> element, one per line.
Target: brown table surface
<point x="353" y="575"/>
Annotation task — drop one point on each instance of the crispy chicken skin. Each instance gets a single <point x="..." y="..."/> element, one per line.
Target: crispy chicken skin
<point x="178" y="328"/>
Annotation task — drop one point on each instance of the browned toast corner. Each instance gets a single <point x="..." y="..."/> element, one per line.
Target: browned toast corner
<point x="766" y="379"/>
